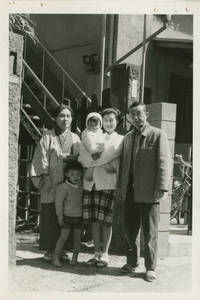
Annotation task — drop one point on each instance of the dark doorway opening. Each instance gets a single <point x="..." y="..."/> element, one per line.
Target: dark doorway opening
<point x="180" y="92"/>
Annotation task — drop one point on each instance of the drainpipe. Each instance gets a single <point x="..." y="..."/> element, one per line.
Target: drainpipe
<point x="144" y="48"/>
<point x="102" y="59"/>
<point x="110" y="46"/>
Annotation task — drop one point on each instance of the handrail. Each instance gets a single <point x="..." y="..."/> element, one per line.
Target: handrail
<point x="29" y="119"/>
<point x="149" y="38"/>
<point x="65" y="72"/>
<point x="41" y="84"/>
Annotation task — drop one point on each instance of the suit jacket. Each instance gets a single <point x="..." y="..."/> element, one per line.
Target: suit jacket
<point x="152" y="164"/>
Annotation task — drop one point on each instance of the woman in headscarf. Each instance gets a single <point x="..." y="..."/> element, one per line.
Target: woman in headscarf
<point x="56" y="147"/>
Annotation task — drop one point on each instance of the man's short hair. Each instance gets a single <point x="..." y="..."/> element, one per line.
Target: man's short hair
<point x="136" y="104"/>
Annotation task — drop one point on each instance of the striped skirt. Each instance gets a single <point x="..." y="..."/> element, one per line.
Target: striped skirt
<point x="98" y="206"/>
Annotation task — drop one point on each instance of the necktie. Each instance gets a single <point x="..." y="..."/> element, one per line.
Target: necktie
<point x="136" y="145"/>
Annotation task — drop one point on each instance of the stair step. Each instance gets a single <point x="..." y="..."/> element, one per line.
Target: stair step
<point x="26" y="105"/>
<point x="34" y="117"/>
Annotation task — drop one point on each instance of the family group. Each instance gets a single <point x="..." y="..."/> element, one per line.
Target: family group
<point x="81" y="180"/>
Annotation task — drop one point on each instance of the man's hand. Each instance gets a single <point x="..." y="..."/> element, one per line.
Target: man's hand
<point x="158" y="194"/>
<point x="60" y="221"/>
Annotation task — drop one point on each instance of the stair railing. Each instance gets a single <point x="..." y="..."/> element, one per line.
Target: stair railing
<point x="30" y="126"/>
<point x="46" y="94"/>
<point x="40" y="83"/>
<point x="65" y="74"/>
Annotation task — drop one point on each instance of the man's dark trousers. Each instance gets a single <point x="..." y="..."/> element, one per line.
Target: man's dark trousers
<point x="135" y="215"/>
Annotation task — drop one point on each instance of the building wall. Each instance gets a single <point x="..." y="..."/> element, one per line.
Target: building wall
<point x="15" y="63"/>
<point x="130" y="32"/>
<point x="159" y="65"/>
<point x="68" y="37"/>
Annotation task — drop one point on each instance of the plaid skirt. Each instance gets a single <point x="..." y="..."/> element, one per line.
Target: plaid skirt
<point x="98" y="206"/>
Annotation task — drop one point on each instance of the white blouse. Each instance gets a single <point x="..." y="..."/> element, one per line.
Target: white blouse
<point x="102" y="179"/>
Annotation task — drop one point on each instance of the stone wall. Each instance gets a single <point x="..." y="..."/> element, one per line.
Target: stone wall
<point x="15" y="72"/>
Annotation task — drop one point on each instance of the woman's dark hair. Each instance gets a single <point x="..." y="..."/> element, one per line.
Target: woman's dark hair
<point x="112" y="110"/>
<point x="73" y="165"/>
<point x="61" y="108"/>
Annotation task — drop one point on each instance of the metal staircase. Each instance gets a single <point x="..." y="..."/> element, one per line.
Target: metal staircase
<point x="41" y="93"/>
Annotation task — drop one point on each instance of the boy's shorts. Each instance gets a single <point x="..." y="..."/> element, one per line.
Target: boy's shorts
<point x="73" y="222"/>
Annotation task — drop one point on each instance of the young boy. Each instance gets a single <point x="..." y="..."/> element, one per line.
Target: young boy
<point x="68" y="204"/>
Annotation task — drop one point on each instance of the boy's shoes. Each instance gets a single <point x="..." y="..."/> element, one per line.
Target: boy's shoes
<point x="103" y="261"/>
<point x="150" y="275"/>
<point x="92" y="261"/>
<point x="47" y="256"/>
<point x="89" y="244"/>
<point x="126" y="269"/>
<point x="64" y="258"/>
<point x="56" y="261"/>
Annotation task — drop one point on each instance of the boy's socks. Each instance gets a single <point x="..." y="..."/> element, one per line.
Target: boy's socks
<point x="74" y="260"/>
<point x="97" y="255"/>
<point x="56" y="261"/>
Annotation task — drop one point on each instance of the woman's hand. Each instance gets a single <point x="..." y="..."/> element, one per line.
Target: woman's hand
<point x="67" y="156"/>
<point x="46" y="183"/>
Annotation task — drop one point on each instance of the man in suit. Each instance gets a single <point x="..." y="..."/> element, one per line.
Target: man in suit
<point x="144" y="180"/>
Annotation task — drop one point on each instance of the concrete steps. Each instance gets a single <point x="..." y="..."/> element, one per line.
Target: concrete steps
<point x="180" y="243"/>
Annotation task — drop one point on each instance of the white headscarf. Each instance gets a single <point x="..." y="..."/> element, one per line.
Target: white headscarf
<point x="91" y="115"/>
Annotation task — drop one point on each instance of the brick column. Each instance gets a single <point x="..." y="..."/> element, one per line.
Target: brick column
<point x="15" y="67"/>
<point x="163" y="115"/>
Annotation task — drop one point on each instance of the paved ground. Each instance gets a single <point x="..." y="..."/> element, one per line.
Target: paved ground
<point x="33" y="274"/>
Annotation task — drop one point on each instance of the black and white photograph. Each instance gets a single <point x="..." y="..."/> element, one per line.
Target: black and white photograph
<point x="100" y="152"/>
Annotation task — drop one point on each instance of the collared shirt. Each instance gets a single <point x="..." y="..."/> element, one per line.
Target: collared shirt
<point x="138" y="133"/>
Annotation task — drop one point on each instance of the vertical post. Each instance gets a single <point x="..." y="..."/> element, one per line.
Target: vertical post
<point x="103" y="42"/>
<point x="45" y="106"/>
<point x="63" y="87"/>
<point x="27" y="189"/>
<point x="24" y="55"/>
<point x="110" y="46"/>
<point x="43" y="64"/>
<point x="25" y="47"/>
<point x="142" y="78"/>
